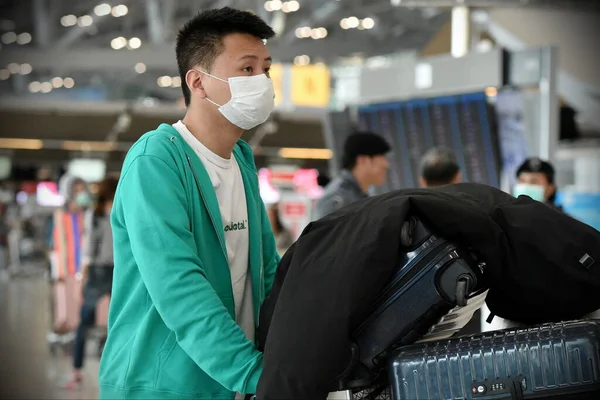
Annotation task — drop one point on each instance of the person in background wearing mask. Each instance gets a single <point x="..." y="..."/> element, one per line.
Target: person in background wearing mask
<point x="68" y="229"/>
<point x="535" y="178"/>
<point x="364" y="164"/>
<point x="439" y="167"/>
<point x="194" y="253"/>
<point x="97" y="271"/>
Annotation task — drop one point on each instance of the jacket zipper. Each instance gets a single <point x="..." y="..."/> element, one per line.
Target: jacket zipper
<point x="261" y="278"/>
<point x="204" y="199"/>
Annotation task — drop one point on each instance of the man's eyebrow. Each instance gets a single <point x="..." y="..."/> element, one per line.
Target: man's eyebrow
<point x="253" y="57"/>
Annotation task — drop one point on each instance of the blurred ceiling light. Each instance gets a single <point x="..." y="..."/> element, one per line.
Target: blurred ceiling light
<point x="268" y="6"/>
<point x="119" y="11"/>
<point x="353" y="22"/>
<point x="85" y="20"/>
<point x="4" y="74"/>
<point x="276" y="5"/>
<point x="164" y="81"/>
<point x="318" y="33"/>
<point x="102" y="9"/>
<point x="293" y="6"/>
<point x="35" y="87"/>
<point x="77" y="145"/>
<point x="23" y="144"/>
<point x="140" y="68"/>
<point x="395" y="3"/>
<point x="68" y="20"/>
<point x="46" y="87"/>
<point x="302" y="60"/>
<point x="176" y="82"/>
<point x="68" y="83"/>
<point x="24" y="38"/>
<point x="308" y="154"/>
<point x="135" y="43"/>
<point x="13" y="68"/>
<point x="368" y="23"/>
<point x="303" y="32"/>
<point x="9" y="37"/>
<point x="118" y="43"/>
<point x="57" y="82"/>
<point x="344" y="24"/>
<point x="25" y="69"/>
<point x="484" y="46"/>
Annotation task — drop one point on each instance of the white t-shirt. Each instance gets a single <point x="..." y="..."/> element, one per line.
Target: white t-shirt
<point x="227" y="181"/>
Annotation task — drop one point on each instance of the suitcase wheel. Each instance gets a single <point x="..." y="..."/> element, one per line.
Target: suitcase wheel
<point x="463" y="288"/>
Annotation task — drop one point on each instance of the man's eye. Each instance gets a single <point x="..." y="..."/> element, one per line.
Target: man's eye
<point x="247" y="69"/>
<point x="268" y="72"/>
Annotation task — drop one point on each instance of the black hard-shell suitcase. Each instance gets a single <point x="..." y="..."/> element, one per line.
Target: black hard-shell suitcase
<point x="548" y="361"/>
<point x="434" y="277"/>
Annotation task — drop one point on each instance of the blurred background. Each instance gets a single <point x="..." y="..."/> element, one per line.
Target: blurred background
<point x="495" y="80"/>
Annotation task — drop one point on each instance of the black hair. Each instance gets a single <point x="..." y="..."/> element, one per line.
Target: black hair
<point x="363" y="144"/>
<point x="439" y="166"/>
<point x="200" y="40"/>
<point x="536" y="165"/>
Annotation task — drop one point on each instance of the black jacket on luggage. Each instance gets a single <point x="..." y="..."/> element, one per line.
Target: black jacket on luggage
<point x="542" y="265"/>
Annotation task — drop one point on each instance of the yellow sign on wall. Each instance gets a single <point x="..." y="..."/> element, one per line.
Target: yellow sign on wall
<point x="276" y="73"/>
<point x="311" y="86"/>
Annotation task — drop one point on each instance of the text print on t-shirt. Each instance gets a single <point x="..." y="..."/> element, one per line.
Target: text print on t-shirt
<point x="237" y="226"/>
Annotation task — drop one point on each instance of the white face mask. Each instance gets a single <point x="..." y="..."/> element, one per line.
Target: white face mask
<point x="252" y="100"/>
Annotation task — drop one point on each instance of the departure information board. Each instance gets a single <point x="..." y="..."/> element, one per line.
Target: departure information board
<point x="462" y="123"/>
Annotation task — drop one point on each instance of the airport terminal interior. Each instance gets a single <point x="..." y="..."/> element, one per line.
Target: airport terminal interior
<point x="505" y="91"/>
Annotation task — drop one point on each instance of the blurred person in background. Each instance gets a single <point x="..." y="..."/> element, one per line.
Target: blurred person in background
<point x="97" y="271"/>
<point x="535" y="178"/>
<point x="68" y="229"/>
<point x="195" y="254"/>
<point x="364" y="164"/>
<point x="283" y="237"/>
<point x="439" y="167"/>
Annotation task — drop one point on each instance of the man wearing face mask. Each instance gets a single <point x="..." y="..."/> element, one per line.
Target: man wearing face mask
<point x="194" y="253"/>
<point x="535" y="178"/>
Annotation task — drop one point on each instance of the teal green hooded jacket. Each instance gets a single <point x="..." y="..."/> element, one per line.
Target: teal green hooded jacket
<point x="171" y="328"/>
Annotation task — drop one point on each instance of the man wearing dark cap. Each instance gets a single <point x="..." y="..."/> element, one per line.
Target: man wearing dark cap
<point x="364" y="165"/>
<point x="439" y="167"/>
<point x="535" y="178"/>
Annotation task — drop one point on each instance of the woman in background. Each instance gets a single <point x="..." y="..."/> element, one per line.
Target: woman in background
<point x="283" y="237"/>
<point x="97" y="271"/>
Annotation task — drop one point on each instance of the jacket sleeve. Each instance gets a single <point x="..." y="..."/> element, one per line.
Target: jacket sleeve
<point x="154" y="211"/>
<point x="270" y="255"/>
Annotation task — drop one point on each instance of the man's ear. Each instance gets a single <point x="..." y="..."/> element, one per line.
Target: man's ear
<point x="193" y="80"/>
<point x="422" y="182"/>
